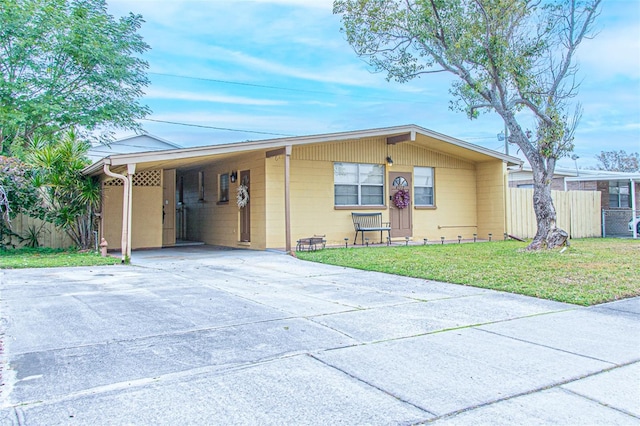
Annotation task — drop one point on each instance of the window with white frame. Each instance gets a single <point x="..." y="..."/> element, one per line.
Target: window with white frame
<point x="358" y="184"/>
<point x="619" y="194"/>
<point x="223" y="187"/>
<point x="200" y="186"/>
<point x="423" y="186"/>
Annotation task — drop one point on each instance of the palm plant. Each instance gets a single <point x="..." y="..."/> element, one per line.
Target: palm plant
<point x="69" y="197"/>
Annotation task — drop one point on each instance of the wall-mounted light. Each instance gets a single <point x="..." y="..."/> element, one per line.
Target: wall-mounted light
<point x="389" y="161"/>
<point x="233" y="176"/>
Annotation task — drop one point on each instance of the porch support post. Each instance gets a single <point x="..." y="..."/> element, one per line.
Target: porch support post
<point x="131" y="170"/>
<point x="287" y="199"/>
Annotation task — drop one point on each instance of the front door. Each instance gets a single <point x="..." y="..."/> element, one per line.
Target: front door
<point x="400" y="207"/>
<point x="245" y="212"/>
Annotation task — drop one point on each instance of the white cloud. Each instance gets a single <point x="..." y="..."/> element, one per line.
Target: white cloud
<point x="297" y="44"/>
<point x="615" y="51"/>
<point x="191" y="136"/>
<point x="154" y="93"/>
<point x="318" y="4"/>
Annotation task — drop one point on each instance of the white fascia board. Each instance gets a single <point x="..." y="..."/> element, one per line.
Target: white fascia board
<point x="203" y="151"/>
<point x="94" y="168"/>
<point x="618" y="176"/>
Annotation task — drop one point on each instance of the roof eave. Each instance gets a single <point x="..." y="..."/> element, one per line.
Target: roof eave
<point x="95" y="168"/>
<point x="630" y="176"/>
<point x="181" y="153"/>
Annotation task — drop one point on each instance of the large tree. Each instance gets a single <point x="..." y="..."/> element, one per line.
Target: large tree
<point x="68" y="63"/>
<point x="513" y="57"/>
<point x="618" y="161"/>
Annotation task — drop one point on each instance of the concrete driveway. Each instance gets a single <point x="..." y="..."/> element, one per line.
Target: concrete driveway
<point x="205" y="336"/>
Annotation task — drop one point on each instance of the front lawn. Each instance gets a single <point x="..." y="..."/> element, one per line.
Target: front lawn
<point x="50" y="258"/>
<point x="589" y="272"/>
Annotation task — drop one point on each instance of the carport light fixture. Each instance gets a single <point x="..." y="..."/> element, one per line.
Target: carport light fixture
<point x="233" y="176"/>
<point x="389" y="161"/>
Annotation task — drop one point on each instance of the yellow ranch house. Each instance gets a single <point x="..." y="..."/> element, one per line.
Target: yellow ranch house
<point x="269" y="194"/>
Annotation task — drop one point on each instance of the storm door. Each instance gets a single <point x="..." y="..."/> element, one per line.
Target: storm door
<point x="169" y="207"/>
<point x="400" y="205"/>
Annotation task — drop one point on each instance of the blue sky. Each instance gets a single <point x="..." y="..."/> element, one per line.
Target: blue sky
<point x="282" y="67"/>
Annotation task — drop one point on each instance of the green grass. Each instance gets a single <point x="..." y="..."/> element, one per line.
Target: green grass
<point x="50" y="258"/>
<point x="589" y="272"/>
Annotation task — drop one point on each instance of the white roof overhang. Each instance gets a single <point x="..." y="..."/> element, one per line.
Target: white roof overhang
<point x="190" y="157"/>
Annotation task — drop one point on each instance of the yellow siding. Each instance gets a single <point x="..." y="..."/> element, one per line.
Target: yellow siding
<point x="312" y="206"/>
<point x="469" y="197"/>
<point x="274" y="199"/>
<point x="146" y="220"/>
<point x="455" y="199"/>
<point x="491" y="202"/>
<point x="375" y="151"/>
<point x="111" y="225"/>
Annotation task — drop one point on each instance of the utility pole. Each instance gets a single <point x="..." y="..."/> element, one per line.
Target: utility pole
<point x="504" y="136"/>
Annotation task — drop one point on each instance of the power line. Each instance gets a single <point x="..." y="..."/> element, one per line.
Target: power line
<point x="289" y="89"/>
<point x="217" y="128"/>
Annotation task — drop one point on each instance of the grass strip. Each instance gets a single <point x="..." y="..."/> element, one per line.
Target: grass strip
<point x="589" y="272"/>
<point x="51" y="258"/>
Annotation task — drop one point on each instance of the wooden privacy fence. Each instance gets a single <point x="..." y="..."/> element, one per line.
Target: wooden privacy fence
<point x="49" y="235"/>
<point x="578" y="213"/>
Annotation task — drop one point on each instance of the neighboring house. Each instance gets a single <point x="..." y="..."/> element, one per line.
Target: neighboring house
<point x="523" y="178"/>
<point x="130" y="144"/>
<point x="619" y="192"/>
<point x="304" y="186"/>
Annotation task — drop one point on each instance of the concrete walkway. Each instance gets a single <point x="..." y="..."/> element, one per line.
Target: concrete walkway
<point x="204" y="336"/>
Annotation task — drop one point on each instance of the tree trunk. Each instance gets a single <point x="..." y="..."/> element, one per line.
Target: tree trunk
<point x="548" y="234"/>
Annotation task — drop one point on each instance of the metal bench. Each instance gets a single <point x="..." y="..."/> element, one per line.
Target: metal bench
<point x="369" y="222"/>
<point x="311" y="243"/>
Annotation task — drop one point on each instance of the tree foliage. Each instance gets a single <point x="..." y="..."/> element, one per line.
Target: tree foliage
<point x="619" y="161"/>
<point x="68" y="197"/>
<point x="17" y="196"/>
<point x="68" y="63"/>
<point x="513" y="57"/>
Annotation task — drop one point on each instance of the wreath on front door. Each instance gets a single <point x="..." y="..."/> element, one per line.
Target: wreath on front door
<point x="242" y="196"/>
<point x="402" y="198"/>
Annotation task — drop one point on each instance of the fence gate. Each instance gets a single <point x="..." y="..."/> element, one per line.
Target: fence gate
<point x="615" y="223"/>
